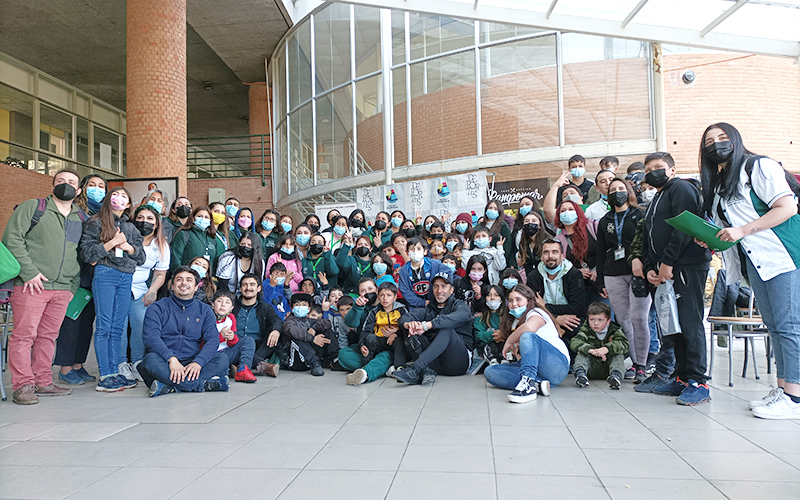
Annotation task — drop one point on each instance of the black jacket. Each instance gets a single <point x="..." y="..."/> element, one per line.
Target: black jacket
<point x="268" y="319"/>
<point x="92" y="249"/>
<point x="607" y="244"/>
<point x="666" y="244"/>
<point x="573" y="290"/>
<point x="455" y="314"/>
<point x="368" y="326"/>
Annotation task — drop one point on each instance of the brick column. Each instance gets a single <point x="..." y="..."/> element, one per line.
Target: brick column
<point x="259" y="121"/>
<point x="156" y="89"/>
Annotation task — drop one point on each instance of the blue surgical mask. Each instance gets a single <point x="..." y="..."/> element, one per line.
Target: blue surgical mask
<point x="199" y="270"/>
<point x="379" y="268"/>
<point x="493" y="304"/>
<point x="302" y="239"/>
<point x="604" y="197"/>
<point x="461" y="227"/>
<point x="156" y="205"/>
<point x="510" y="283"/>
<point x="577" y="172"/>
<point x="232" y="210"/>
<point x="481" y="242"/>
<point x="450" y="245"/>
<point x="492" y="214"/>
<point x="525" y="210"/>
<point x="428" y="227"/>
<point x="569" y="217"/>
<point x="519" y="311"/>
<point x="268" y="225"/>
<point x="281" y="280"/>
<point x="202" y="223"/>
<point x="300" y="311"/>
<point x="339" y="230"/>
<point x="452" y="267"/>
<point x="97" y="194"/>
<point x="287" y="228"/>
<point x="289" y="250"/>
<point x="397" y="221"/>
<point x="555" y="270"/>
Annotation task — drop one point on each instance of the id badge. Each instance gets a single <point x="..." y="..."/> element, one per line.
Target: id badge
<point x="118" y="253"/>
<point x="619" y="253"/>
<point x="207" y="257"/>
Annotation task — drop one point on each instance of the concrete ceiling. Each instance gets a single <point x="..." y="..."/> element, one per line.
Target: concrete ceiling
<point x="82" y="42"/>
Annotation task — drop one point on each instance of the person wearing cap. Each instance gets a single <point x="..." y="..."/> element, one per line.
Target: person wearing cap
<point x="181" y="339"/>
<point x="440" y="336"/>
<point x="311" y="342"/>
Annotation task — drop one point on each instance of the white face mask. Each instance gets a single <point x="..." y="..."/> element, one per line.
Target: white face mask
<point x="416" y="256"/>
<point x="493" y="304"/>
<point x="648" y="195"/>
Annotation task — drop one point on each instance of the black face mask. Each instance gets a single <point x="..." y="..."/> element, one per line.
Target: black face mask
<point x="530" y="229"/>
<point x="145" y="228"/>
<point x="380" y="224"/>
<point x="362" y="251"/>
<point x="371" y="296"/>
<point x="316" y="248"/>
<point x="617" y="199"/>
<point x="183" y="211"/>
<point x="64" y="192"/>
<point x="245" y="252"/>
<point x="657" y="178"/>
<point x="409" y="232"/>
<point x="437" y="237"/>
<point x="356" y="223"/>
<point x="314" y="228"/>
<point x="719" y="152"/>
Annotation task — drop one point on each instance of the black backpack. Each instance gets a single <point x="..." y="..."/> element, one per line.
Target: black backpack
<point x="794" y="185"/>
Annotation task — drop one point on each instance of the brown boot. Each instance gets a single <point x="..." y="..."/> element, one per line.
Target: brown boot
<point x="264" y="368"/>
<point x="26" y="395"/>
<point x="53" y="390"/>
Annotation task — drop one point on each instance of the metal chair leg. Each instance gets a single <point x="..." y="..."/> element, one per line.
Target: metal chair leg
<point x="730" y="355"/>
<point x="755" y="363"/>
<point x="711" y="356"/>
<point x="768" y="347"/>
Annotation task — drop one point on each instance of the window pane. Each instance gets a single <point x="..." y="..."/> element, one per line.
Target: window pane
<point x="106" y="149"/>
<point x="300" y="65"/>
<point x="301" y="149"/>
<point x="606" y="89"/>
<point x="55" y="131"/>
<point x="332" y="46"/>
<point x="16" y="119"/>
<point x="496" y="31"/>
<point x="443" y="108"/>
<point x="283" y="162"/>
<point x="82" y="149"/>
<point x="400" y="111"/>
<point x="398" y="37"/>
<point x="519" y="98"/>
<point x="369" y="117"/>
<point x="334" y="135"/>
<point x="431" y="35"/>
<point x="368" y="40"/>
<point x="279" y="87"/>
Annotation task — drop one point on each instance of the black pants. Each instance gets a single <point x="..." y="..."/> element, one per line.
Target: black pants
<point x="690" y="345"/>
<point x="75" y="337"/>
<point x="263" y="352"/>
<point x="377" y="345"/>
<point x="446" y="355"/>
<point x="303" y="355"/>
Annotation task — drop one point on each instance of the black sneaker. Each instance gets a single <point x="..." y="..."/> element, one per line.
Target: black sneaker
<point x="316" y="369"/>
<point x="630" y="373"/>
<point x="428" y="376"/>
<point x="407" y="375"/>
<point x="525" y="391"/>
<point x="581" y="380"/>
<point x="641" y="376"/>
<point x="158" y="389"/>
<point x="614" y="381"/>
<point x="215" y="384"/>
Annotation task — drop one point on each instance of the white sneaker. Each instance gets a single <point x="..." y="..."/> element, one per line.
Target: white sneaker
<point x="124" y="369"/>
<point x="358" y="377"/>
<point x="782" y="408"/>
<point x="544" y="387"/>
<point x="390" y="371"/>
<point x="525" y="391"/>
<point x="135" y="371"/>
<point x="769" y="398"/>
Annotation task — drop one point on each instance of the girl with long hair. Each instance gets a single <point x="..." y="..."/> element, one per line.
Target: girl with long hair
<point x="578" y="236"/>
<point x="288" y="255"/>
<point x="266" y="228"/>
<point x="198" y="236"/>
<point x="205" y="287"/>
<point x="528" y="241"/>
<point x="469" y="288"/>
<point x="242" y="259"/>
<point x="179" y="212"/>
<point x="243" y="222"/>
<point x="486" y="325"/>
<point x="219" y="215"/>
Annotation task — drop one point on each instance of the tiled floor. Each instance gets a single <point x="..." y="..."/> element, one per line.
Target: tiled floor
<point x="304" y="437"/>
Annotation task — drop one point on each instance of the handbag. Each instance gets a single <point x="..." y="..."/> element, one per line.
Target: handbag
<point x="9" y="267"/>
<point x="639" y="287"/>
<point x="666" y="303"/>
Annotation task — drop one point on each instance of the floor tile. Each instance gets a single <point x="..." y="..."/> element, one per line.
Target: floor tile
<point x="137" y="483"/>
<point x="444" y="435"/>
<point x="757" y="490"/>
<point x="23" y="431"/>
<point x="84" y="431"/>
<point x="439" y="485"/>
<point x="633" y="438"/>
<point x="773" y="441"/>
<point x="367" y="456"/>
<point x="40" y="452"/>
<point x="689" y="419"/>
<point x="515" y="487"/>
<point x="217" y="432"/>
<point x="620" y="463"/>
<point x="192" y="455"/>
<point x="430" y="458"/>
<point x="533" y="437"/>
<point x="281" y="433"/>
<point x="110" y="454"/>
<point x="60" y="481"/>
<point x="338" y="485"/>
<point x="270" y="456"/>
<point x="219" y="483"/>
<point x="373" y="433"/>
<point x="634" y="488"/>
<point x="733" y="466"/>
<point x="541" y="461"/>
<point x="705" y="440"/>
<point x="152" y="433"/>
<point x="9" y="471"/>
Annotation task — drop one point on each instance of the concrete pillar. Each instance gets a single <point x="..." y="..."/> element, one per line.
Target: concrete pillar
<point x="659" y="105"/>
<point x="156" y="89"/>
<point x="259" y="121"/>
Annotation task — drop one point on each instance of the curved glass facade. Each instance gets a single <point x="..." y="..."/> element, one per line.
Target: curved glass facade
<point x="360" y="90"/>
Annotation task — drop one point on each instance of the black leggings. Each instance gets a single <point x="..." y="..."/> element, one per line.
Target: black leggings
<point x="75" y="337"/>
<point x="447" y="354"/>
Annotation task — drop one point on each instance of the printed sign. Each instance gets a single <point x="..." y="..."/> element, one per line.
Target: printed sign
<point x="509" y="193"/>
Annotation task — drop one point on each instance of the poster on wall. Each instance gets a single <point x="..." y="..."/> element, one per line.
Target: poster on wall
<point x="140" y="187"/>
<point x="436" y="195"/>
<point x="509" y="193"/>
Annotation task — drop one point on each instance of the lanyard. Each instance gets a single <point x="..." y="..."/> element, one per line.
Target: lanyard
<point x="361" y="269"/>
<point x="618" y="226"/>
<point x="314" y="266"/>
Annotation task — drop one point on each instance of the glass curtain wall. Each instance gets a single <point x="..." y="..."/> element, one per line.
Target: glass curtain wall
<point x="458" y="89"/>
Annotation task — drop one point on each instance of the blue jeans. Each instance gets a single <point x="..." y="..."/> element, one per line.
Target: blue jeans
<point x="112" y="296"/>
<point x="778" y="299"/>
<point x="136" y="318"/>
<point x="241" y="353"/>
<point x="653" y="320"/>
<point x="539" y="361"/>
<point x="154" y="367"/>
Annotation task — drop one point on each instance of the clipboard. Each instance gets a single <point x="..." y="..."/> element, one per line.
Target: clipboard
<point x="78" y="303"/>
<point x="700" y="229"/>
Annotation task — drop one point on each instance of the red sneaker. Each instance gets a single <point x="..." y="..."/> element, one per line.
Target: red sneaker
<point x="245" y="376"/>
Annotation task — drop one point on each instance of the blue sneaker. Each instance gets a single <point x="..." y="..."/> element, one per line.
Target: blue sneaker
<point x="109" y="384"/>
<point x="71" y="378"/>
<point x="158" y="388"/>
<point x="215" y="384"/>
<point x="669" y="387"/>
<point x="85" y="375"/>
<point x="694" y="394"/>
<point x="126" y="383"/>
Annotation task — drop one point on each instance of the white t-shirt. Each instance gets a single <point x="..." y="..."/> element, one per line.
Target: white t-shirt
<point x="153" y="261"/>
<point x="548" y="333"/>
<point x="597" y="210"/>
<point x="221" y="325"/>
<point x="229" y="268"/>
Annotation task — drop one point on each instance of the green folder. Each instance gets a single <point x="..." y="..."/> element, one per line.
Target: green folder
<point x="78" y="303"/>
<point x="700" y="229"/>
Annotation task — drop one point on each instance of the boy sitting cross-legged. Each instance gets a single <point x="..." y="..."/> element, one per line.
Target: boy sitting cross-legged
<point x="600" y="345"/>
<point x="310" y="339"/>
<point x="239" y="351"/>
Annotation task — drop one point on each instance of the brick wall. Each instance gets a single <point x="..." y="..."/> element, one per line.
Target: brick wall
<point x="247" y="190"/>
<point x="19" y="185"/>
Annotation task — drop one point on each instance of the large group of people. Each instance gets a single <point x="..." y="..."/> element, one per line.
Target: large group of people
<point x="189" y="297"/>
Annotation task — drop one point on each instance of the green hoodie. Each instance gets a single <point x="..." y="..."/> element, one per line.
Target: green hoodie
<point x="50" y="248"/>
<point x="483" y="335"/>
<point x="615" y="340"/>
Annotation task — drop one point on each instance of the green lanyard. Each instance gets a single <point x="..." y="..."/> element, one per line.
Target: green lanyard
<point x="314" y="267"/>
<point x="361" y="269"/>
